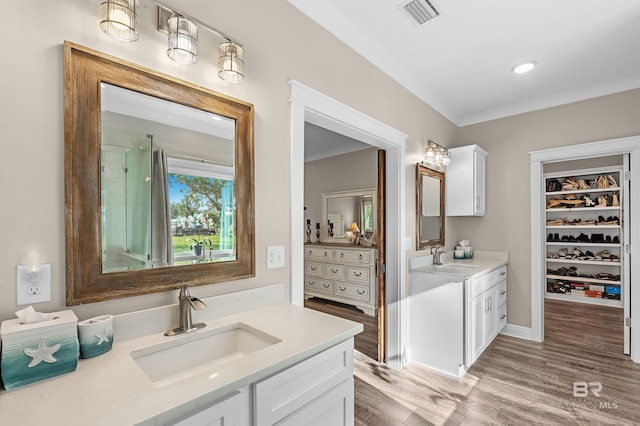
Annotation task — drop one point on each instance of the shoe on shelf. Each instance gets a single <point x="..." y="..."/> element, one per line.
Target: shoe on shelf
<point x="611" y="182"/>
<point x="607" y="239"/>
<point x="590" y="256"/>
<point x="550" y="238"/>
<point x="614" y="200"/>
<point x="556" y="238"/>
<point x="563" y="252"/>
<point x="583" y="238"/>
<point x="565" y="238"/>
<point x="615" y="240"/>
<point x="601" y="219"/>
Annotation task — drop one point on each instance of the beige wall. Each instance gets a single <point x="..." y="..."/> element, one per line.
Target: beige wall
<point x="280" y="44"/>
<point x="506" y="225"/>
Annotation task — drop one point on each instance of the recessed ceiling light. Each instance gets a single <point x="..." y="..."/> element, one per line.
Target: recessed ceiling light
<point x="523" y="67"/>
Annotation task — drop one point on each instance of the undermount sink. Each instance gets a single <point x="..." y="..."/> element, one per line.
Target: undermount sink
<point x="454" y="267"/>
<point x="192" y="353"/>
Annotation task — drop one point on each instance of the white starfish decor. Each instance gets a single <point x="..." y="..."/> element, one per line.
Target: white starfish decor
<point x="103" y="336"/>
<point x="42" y="353"/>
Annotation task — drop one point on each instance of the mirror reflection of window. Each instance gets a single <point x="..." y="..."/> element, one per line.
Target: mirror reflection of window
<point x="167" y="183"/>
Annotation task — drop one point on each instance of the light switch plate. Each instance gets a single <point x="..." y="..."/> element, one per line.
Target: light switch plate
<point x="275" y="257"/>
<point x="28" y="293"/>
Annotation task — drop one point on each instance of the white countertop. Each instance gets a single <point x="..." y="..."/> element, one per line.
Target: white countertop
<point x="481" y="263"/>
<point x="112" y="390"/>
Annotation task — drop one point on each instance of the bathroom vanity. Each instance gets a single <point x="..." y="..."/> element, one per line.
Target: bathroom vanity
<point x="456" y="309"/>
<point x="280" y="364"/>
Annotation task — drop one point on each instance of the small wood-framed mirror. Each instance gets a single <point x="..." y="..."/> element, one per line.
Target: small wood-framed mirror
<point x="90" y="276"/>
<point x="429" y="207"/>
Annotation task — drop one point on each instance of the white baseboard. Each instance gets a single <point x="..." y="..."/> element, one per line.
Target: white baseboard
<point x="517" y="331"/>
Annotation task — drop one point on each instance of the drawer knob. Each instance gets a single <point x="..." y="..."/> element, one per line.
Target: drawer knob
<point x="342" y="288"/>
<point x="325" y="285"/>
<point x="503" y="316"/>
<point x="503" y="273"/>
<point x="357" y="274"/>
<point x="312" y="283"/>
<point x="503" y="292"/>
<point x="326" y="254"/>
<point x="313" y="268"/>
<point x="360" y="291"/>
<point x="360" y="256"/>
<point x="334" y="270"/>
<point x="341" y="254"/>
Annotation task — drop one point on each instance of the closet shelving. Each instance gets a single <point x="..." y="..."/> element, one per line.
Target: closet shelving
<point x="584" y="244"/>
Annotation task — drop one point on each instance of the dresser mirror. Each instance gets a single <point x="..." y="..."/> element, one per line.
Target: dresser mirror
<point x="342" y="209"/>
<point x="154" y="170"/>
<point x="429" y="207"/>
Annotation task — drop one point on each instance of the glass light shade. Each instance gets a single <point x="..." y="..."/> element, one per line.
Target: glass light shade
<point x="183" y="39"/>
<point x="119" y="19"/>
<point x="439" y="154"/>
<point x="231" y="62"/>
<point x="430" y="151"/>
<point x="447" y="158"/>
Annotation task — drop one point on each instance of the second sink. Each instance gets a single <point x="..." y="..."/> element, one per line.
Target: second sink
<point x="188" y="354"/>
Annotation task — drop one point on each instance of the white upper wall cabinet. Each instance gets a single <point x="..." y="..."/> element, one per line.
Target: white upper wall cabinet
<point x="465" y="181"/>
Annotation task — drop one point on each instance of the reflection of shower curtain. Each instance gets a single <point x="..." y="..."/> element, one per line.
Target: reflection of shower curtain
<point x="161" y="240"/>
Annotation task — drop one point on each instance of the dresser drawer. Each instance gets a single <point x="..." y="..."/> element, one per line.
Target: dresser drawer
<point x="352" y="291"/>
<point x="318" y="252"/>
<point x="358" y="274"/>
<point x="359" y="256"/>
<point x="318" y="284"/>
<point x="502" y="293"/>
<point x="313" y="268"/>
<point x="334" y="270"/>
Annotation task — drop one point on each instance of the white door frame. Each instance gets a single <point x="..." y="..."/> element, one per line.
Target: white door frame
<point x="314" y="107"/>
<point x="629" y="145"/>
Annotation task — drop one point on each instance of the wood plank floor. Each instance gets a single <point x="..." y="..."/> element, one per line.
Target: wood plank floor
<point x="365" y="342"/>
<point x="515" y="382"/>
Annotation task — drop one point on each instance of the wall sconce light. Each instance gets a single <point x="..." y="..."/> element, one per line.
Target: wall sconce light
<point x="231" y="62"/>
<point x="437" y="155"/>
<point x="183" y="39"/>
<point x="119" y="19"/>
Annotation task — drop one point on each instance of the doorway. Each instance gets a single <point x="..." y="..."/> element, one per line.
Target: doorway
<point x="308" y="105"/>
<point x="630" y="147"/>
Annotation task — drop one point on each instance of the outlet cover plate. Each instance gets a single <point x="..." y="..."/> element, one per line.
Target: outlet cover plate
<point x="275" y="257"/>
<point x="28" y="293"/>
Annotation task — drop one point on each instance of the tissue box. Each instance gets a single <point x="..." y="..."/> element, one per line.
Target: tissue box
<point x="38" y="351"/>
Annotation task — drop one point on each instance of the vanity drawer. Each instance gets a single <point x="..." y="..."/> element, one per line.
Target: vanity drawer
<point x="334" y="270"/>
<point x="318" y="252"/>
<point x="481" y="284"/>
<point x="502" y="293"/>
<point x="318" y="284"/>
<point x="357" y="274"/>
<point x="352" y="291"/>
<point x="502" y="317"/>
<point x="359" y="256"/>
<point x="313" y="268"/>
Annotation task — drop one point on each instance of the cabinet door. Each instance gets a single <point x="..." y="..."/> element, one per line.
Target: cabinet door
<point x="233" y="410"/>
<point x="491" y="316"/>
<point x="336" y="408"/>
<point x="479" y="183"/>
<point x="477" y="334"/>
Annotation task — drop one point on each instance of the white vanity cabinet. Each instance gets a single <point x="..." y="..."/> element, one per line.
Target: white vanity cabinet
<point x="317" y="391"/>
<point x="345" y="274"/>
<point x="487" y="313"/>
<point x="465" y="182"/>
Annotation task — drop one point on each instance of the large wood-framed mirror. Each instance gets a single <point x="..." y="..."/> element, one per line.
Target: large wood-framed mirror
<point x="115" y="249"/>
<point x="342" y="208"/>
<point x="429" y="207"/>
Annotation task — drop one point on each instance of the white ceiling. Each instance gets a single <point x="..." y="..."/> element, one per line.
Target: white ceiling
<point x="460" y="63"/>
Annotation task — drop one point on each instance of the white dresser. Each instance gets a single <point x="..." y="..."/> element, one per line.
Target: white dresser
<point x="342" y="273"/>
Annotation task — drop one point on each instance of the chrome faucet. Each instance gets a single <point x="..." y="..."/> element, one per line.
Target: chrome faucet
<point x="187" y="303"/>
<point x="436" y="255"/>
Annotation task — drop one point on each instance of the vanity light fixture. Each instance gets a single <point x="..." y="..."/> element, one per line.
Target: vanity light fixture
<point x="436" y="154"/>
<point x="119" y="19"/>
<point x="183" y="39"/>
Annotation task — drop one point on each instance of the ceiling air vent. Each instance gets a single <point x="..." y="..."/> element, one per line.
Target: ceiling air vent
<point x="421" y="11"/>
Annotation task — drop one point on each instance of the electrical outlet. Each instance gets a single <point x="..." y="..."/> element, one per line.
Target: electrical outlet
<point x="275" y="257"/>
<point x="33" y="288"/>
